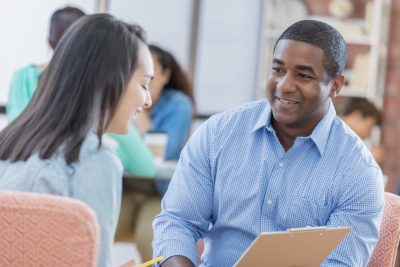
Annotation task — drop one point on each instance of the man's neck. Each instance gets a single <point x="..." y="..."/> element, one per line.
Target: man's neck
<point x="287" y="135"/>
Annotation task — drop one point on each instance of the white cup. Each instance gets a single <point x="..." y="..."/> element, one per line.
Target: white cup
<point x="157" y="143"/>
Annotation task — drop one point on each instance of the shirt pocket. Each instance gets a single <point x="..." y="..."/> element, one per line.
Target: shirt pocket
<point x="303" y="212"/>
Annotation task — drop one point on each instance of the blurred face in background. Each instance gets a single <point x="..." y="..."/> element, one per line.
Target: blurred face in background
<point x="361" y="125"/>
<point x="137" y="94"/>
<point x="365" y="127"/>
<point x="161" y="78"/>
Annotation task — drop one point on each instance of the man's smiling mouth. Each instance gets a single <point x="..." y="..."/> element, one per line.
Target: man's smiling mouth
<point x="286" y="101"/>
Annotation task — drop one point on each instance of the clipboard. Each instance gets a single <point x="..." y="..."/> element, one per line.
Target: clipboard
<point x="298" y="247"/>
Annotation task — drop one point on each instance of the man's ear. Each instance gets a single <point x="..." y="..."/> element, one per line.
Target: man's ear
<point x="336" y="86"/>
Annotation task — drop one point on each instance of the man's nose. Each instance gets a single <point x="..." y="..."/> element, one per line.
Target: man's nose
<point x="286" y="83"/>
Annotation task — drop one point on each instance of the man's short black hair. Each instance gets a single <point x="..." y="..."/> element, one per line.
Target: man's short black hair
<point x="323" y="36"/>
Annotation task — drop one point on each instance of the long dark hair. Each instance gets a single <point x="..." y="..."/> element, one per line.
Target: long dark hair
<point x="78" y="91"/>
<point x="178" y="79"/>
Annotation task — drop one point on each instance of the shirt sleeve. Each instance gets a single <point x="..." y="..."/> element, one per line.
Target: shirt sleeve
<point x="360" y="205"/>
<point x="97" y="181"/>
<point x="135" y="155"/>
<point x="187" y="206"/>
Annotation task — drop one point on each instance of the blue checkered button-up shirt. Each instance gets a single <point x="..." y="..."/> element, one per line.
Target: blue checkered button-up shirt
<point x="234" y="180"/>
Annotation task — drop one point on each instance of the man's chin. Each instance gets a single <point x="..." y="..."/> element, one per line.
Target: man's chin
<point x="285" y="119"/>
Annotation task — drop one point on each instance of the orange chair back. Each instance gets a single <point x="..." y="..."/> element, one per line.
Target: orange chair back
<point x="385" y="252"/>
<point x="46" y="230"/>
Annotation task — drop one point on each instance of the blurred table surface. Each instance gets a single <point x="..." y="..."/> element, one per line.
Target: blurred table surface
<point x="164" y="171"/>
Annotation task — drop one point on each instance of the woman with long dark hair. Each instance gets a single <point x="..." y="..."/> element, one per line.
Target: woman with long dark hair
<point x="97" y="81"/>
<point x="135" y="155"/>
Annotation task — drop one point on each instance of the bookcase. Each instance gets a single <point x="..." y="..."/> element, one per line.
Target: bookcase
<point x="365" y="31"/>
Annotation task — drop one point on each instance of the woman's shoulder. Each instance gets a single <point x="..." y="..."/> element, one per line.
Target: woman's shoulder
<point x="172" y="100"/>
<point x="91" y="148"/>
<point x="35" y="174"/>
<point x="100" y="157"/>
<point x="29" y="70"/>
<point x="175" y="96"/>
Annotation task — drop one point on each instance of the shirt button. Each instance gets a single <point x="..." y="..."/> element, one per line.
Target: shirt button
<point x="281" y="164"/>
<point x="269" y="201"/>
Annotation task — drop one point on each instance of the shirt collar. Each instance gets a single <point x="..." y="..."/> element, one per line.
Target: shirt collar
<point x="319" y="135"/>
<point x="321" y="132"/>
<point x="264" y="120"/>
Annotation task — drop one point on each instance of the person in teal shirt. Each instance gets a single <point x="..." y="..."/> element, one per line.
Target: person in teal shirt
<point x="23" y="84"/>
<point x="25" y="80"/>
<point x="136" y="157"/>
<point x="134" y="154"/>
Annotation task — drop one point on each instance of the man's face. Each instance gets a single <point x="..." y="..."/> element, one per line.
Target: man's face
<point x="299" y="88"/>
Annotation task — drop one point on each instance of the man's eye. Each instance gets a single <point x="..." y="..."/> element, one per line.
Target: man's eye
<point x="277" y="70"/>
<point x="305" y="77"/>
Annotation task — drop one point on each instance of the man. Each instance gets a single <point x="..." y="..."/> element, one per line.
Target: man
<point x="269" y="166"/>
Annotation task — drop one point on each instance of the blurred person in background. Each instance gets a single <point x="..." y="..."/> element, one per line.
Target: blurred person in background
<point x="25" y="80"/>
<point x="362" y="116"/>
<point x="96" y="82"/>
<point x="173" y="104"/>
<point x="136" y="157"/>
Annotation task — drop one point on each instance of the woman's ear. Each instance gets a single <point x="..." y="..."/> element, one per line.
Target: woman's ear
<point x="337" y="85"/>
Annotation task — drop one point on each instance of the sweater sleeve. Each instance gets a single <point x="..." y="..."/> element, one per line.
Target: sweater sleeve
<point x="135" y="155"/>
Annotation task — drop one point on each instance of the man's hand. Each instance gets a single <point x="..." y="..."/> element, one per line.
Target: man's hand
<point x="177" y="261"/>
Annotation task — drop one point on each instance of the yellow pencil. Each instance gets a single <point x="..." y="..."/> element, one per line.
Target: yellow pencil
<point x="150" y="262"/>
